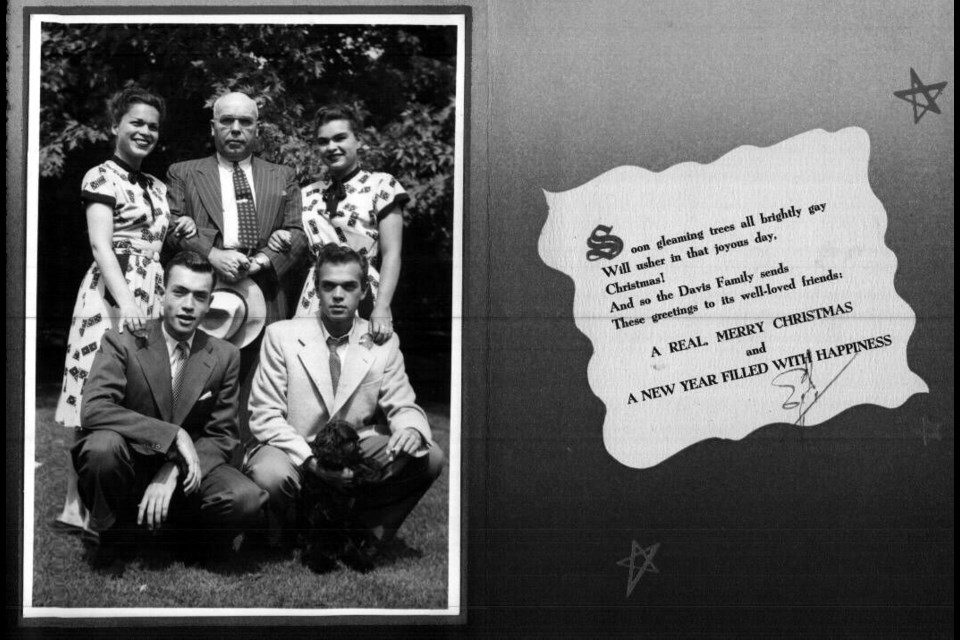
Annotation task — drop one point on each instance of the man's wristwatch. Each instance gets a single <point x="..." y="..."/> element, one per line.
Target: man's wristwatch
<point x="262" y="261"/>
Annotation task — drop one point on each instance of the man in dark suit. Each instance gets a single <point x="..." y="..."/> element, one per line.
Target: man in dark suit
<point x="159" y="423"/>
<point x="238" y="202"/>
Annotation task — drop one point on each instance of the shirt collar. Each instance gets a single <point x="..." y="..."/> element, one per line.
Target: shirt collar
<point x="172" y="342"/>
<point x="350" y="176"/>
<point x="326" y="334"/>
<point x="335" y="191"/>
<point x="123" y="165"/>
<point x="133" y="176"/>
<point x="228" y="164"/>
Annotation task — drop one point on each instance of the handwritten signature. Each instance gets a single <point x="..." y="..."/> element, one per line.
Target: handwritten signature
<point x="803" y="391"/>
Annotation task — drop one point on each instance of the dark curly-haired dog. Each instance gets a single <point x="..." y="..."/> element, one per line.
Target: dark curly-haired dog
<point x="327" y="503"/>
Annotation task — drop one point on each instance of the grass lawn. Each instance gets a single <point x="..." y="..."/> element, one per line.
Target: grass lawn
<point x="410" y="574"/>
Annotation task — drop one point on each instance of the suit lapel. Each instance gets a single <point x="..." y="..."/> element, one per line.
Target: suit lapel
<point x="316" y="361"/>
<point x="208" y="188"/>
<point x="268" y="194"/>
<point x="199" y="367"/>
<point x="357" y="363"/>
<point x="155" y="362"/>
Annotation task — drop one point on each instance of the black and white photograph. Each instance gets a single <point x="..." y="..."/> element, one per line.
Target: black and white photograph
<point x="245" y="249"/>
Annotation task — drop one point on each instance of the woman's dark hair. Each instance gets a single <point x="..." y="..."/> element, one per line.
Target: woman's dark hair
<point x="120" y="102"/>
<point x="329" y="113"/>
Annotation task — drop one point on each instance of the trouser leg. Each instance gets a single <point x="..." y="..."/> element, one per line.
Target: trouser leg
<point x="382" y="507"/>
<point x="230" y="501"/>
<point x="73" y="514"/>
<point x="273" y="471"/>
<point x="105" y="477"/>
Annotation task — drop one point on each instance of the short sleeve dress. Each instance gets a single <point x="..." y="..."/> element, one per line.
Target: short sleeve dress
<point x="348" y="216"/>
<point x="140" y="220"/>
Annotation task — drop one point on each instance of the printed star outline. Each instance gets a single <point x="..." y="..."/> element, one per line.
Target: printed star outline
<point x="630" y="562"/>
<point x="916" y="88"/>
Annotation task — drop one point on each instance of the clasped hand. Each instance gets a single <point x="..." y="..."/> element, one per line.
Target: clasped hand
<point x="230" y="264"/>
<point x="184" y="227"/>
<point x="191" y="461"/>
<point x="280" y="241"/>
<point x="155" y="504"/>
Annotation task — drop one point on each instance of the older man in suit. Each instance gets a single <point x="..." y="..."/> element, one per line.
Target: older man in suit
<point x="314" y="370"/>
<point x="159" y="424"/>
<point x="239" y="202"/>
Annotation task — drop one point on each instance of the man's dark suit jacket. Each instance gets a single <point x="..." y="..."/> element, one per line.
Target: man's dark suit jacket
<point x="129" y="391"/>
<point x="193" y="190"/>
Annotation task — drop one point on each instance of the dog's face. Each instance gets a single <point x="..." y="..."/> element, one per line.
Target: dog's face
<point x="337" y="446"/>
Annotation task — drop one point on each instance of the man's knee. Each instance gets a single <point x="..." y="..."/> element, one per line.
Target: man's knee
<point x="100" y="451"/>
<point x="435" y="462"/>
<point x="248" y="500"/>
<point x="239" y="503"/>
<point x="273" y="471"/>
<point x="275" y="479"/>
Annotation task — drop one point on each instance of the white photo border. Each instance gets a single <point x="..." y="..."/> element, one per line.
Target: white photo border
<point x="458" y="17"/>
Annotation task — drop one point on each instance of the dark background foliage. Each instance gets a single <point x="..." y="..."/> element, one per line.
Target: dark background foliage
<point x="401" y="79"/>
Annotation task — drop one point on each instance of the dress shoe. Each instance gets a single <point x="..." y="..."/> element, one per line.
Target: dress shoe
<point x="109" y="556"/>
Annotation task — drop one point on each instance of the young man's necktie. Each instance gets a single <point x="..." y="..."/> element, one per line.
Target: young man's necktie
<point x="332" y="344"/>
<point x="180" y="355"/>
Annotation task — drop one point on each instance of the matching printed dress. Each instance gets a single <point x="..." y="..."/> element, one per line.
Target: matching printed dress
<point x="141" y="217"/>
<point x="350" y="217"/>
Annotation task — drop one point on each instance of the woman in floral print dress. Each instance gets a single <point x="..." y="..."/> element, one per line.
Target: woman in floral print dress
<point x="127" y="220"/>
<point x="359" y="208"/>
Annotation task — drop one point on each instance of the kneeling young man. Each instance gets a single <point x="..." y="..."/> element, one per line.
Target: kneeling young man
<point x="160" y="426"/>
<point x="314" y="370"/>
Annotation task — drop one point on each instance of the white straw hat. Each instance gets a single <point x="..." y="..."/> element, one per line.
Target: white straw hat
<point x="237" y="312"/>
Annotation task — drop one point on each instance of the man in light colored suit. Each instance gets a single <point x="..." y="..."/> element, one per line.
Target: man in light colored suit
<point x="238" y="202"/>
<point x="314" y="370"/>
<point x="159" y="424"/>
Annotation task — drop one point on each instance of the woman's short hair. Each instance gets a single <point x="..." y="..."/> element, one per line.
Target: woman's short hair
<point x="120" y="102"/>
<point x="329" y="113"/>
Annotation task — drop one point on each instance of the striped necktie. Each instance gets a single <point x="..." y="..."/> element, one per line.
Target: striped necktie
<point x="180" y="355"/>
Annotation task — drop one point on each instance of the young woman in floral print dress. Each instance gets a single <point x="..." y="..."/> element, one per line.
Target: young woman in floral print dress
<point x="127" y="220"/>
<point x="359" y="208"/>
